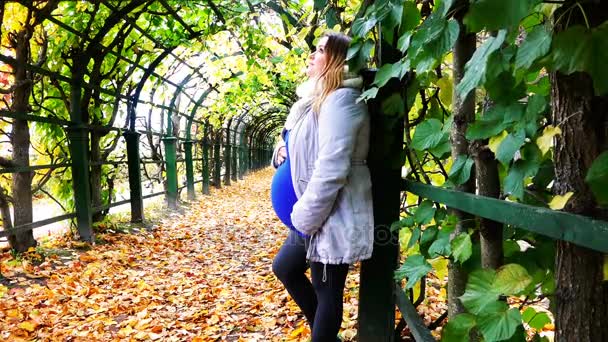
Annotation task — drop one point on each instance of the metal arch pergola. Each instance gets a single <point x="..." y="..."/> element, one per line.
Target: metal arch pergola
<point x="121" y="21"/>
<point x="256" y="127"/>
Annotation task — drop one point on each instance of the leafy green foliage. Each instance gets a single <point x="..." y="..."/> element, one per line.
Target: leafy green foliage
<point x="534" y="319"/>
<point x="427" y="135"/>
<point x="480" y="292"/>
<point x="582" y="49"/>
<point x="462" y="247"/>
<point x="475" y="69"/>
<point x="425" y="212"/>
<point x="458" y="328"/>
<point x="461" y="170"/>
<point x="496" y="14"/>
<point x="499" y="323"/>
<point x="597" y="178"/>
<point x="414" y="268"/>
<point x="535" y="46"/>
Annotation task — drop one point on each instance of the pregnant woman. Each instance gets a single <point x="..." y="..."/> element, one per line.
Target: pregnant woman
<point x="322" y="188"/>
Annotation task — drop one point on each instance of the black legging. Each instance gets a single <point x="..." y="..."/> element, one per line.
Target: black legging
<point x="321" y="300"/>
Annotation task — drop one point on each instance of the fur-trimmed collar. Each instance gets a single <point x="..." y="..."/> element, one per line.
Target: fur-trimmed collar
<point x="309" y="89"/>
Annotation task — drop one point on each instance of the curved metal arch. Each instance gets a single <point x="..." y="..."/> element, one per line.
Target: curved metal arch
<point x="132" y="104"/>
<point x="262" y="120"/>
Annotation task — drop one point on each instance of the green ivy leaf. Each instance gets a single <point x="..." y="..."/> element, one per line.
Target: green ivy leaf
<point x="536" y="45"/>
<point x="441" y="246"/>
<point x="353" y="49"/>
<point x="504" y="88"/>
<point x="359" y="58"/>
<point x="597" y="178"/>
<point x="393" y="19"/>
<point x="331" y="18"/>
<point x="439" y="39"/>
<point x="461" y="169"/>
<point x="486" y="127"/>
<point x="475" y="68"/>
<point x="425" y="212"/>
<point x="581" y="49"/>
<point x="537" y="105"/>
<point x="404" y="41"/>
<point x="500" y="323"/>
<point x="361" y="26"/>
<point x="444" y="7"/>
<point x="411" y="16"/>
<point x="442" y="150"/>
<point x="480" y="293"/>
<point x="496" y="14"/>
<point x="510" y="145"/>
<point x="404" y="222"/>
<point x="414" y="238"/>
<point x="458" y="328"/>
<point x="320" y="4"/>
<point x="462" y="247"/>
<point x="428" y="134"/>
<point x="511" y="279"/>
<point x="414" y="268"/>
<point x="428" y="235"/>
<point x="515" y="178"/>
<point x="536" y="320"/>
<point x="388" y="71"/>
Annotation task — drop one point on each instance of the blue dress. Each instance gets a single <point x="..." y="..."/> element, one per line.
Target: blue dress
<point x="282" y="193"/>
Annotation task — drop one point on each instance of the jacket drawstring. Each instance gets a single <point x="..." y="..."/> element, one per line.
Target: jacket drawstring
<point x="324" y="273"/>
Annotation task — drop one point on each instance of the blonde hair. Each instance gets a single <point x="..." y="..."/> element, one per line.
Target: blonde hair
<point x="332" y="75"/>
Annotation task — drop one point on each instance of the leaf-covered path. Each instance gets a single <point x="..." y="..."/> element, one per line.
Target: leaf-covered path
<point x="203" y="275"/>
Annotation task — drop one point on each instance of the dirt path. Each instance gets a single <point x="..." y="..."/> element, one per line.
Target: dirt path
<point x="203" y="275"/>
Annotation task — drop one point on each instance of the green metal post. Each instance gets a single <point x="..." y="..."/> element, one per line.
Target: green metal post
<point x="234" y="155"/>
<point x="217" y="173"/>
<point x="227" y="154"/>
<point x="171" y="170"/>
<point x="206" y="182"/>
<point x="242" y="156"/>
<point x="376" y="292"/>
<point x="137" y="202"/>
<point x="189" y="169"/>
<point x="78" y="136"/>
<point x="79" y="143"/>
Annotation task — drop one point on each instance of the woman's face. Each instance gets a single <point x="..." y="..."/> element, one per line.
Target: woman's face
<point x="317" y="60"/>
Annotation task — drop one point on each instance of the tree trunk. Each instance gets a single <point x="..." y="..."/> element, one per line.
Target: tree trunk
<point x="464" y="110"/>
<point x="488" y="184"/>
<point x="5" y="211"/>
<point x="20" y="140"/>
<point x="581" y="293"/>
<point x="95" y="176"/>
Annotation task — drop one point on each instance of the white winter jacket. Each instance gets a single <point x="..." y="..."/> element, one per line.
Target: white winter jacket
<point x="332" y="181"/>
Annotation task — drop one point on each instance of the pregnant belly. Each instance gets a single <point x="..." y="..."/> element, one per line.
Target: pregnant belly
<point x="282" y="194"/>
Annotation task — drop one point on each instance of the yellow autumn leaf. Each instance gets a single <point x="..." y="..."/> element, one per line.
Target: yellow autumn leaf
<point x="440" y="267"/>
<point x="13" y="313"/>
<point x="28" y="325"/>
<point x="126" y="331"/>
<point x="3" y="290"/>
<point x="545" y="141"/>
<point x="559" y="201"/>
<point x="213" y="320"/>
<point x="496" y="140"/>
<point x="445" y="95"/>
<point x="299" y="331"/>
